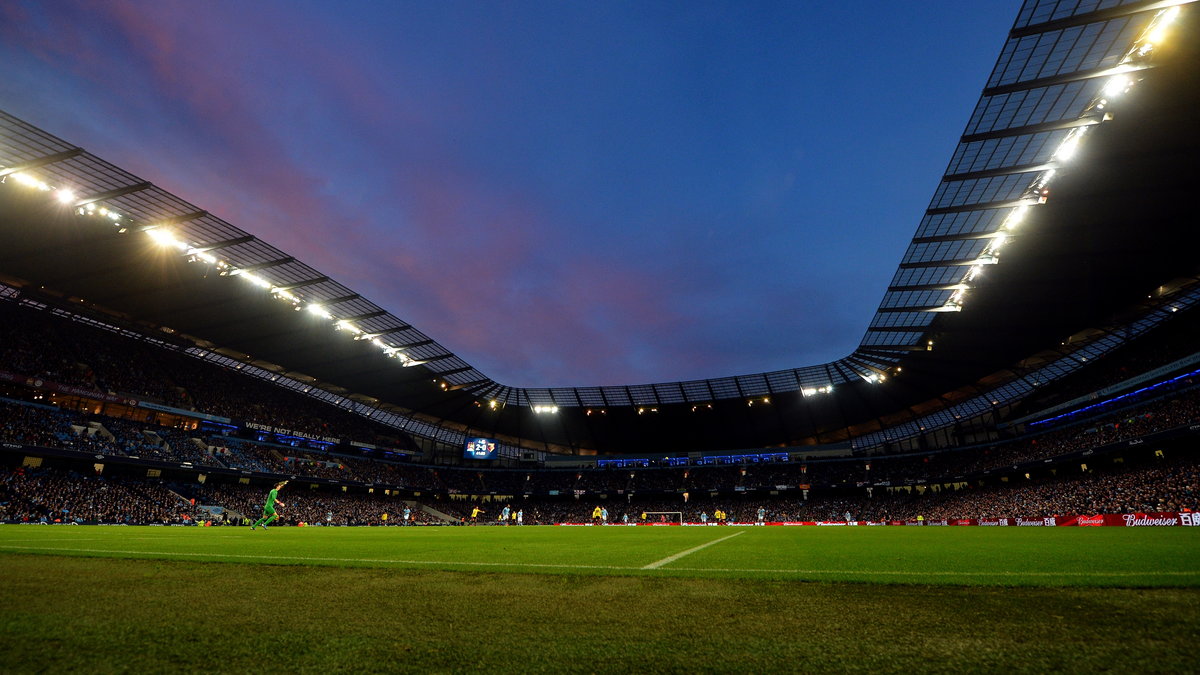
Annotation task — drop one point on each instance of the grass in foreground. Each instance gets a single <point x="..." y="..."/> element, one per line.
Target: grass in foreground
<point x="583" y="600"/>
<point x="100" y="614"/>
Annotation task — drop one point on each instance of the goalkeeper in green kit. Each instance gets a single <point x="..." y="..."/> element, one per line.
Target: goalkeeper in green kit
<point x="269" y="515"/>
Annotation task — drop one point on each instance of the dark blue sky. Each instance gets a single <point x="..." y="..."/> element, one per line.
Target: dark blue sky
<point x="563" y="193"/>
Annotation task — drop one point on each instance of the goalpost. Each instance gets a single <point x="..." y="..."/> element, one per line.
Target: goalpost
<point x="670" y="517"/>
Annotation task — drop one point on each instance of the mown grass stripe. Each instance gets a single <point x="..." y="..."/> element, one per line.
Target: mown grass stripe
<point x="280" y="558"/>
<point x="570" y="566"/>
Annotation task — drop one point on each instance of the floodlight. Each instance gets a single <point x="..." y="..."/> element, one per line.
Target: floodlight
<point x="1160" y="25"/>
<point x="319" y="311"/>
<point x="1117" y="86"/>
<point x="1014" y="219"/>
<point x="29" y="181"/>
<point x="255" y="279"/>
<point x="1067" y="149"/>
<point x="161" y="236"/>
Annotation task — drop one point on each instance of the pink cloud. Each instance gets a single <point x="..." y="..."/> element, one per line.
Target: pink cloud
<point x="448" y="250"/>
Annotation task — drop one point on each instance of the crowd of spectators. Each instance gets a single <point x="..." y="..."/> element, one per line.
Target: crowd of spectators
<point x="46" y="426"/>
<point x="1172" y="485"/>
<point x="35" y="343"/>
<point x="43" y="495"/>
<point x="47" y="495"/>
<point x="39" y="344"/>
<point x="315" y="507"/>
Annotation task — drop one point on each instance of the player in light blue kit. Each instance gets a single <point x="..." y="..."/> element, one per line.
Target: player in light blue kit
<point x="504" y="514"/>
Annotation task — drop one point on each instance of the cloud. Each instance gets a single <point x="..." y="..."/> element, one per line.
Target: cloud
<point x="366" y="170"/>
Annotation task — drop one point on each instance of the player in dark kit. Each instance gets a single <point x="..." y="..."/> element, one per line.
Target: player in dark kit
<point x="269" y="515"/>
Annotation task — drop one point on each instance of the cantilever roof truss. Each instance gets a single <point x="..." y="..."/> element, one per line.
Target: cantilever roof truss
<point x="1046" y="89"/>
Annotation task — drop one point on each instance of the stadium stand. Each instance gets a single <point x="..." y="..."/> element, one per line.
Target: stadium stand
<point x="737" y="489"/>
<point x="63" y="496"/>
<point x="1032" y="466"/>
<point x="32" y="343"/>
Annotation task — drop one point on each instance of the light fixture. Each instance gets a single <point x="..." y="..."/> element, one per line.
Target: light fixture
<point x="1116" y="86"/>
<point x="161" y="236"/>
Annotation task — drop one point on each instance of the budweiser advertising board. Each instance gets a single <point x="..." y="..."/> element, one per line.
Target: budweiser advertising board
<point x="1171" y="519"/>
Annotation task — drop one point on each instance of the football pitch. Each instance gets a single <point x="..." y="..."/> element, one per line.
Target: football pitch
<point x="646" y="599"/>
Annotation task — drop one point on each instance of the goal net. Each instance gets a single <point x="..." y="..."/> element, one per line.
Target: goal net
<point x="675" y="517"/>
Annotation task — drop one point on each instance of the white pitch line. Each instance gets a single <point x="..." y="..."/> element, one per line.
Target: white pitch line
<point x="919" y="573"/>
<point x="672" y="558"/>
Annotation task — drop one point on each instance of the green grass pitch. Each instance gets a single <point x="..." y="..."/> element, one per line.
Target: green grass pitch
<point x="647" y="599"/>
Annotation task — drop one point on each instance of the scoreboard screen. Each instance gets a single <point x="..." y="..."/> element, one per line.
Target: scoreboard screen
<point x="480" y="448"/>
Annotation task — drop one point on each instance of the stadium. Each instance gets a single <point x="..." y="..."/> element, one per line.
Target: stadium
<point x="1032" y="370"/>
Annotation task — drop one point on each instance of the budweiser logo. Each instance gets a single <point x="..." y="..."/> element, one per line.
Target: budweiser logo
<point x="1090" y="520"/>
<point x="1021" y="522"/>
<point x="1133" y="520"/>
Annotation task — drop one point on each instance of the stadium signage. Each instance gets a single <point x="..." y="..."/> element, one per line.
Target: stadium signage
<point x="280" y="431"/>
<point x="1109" y="519"/>
<point x="70" y="390"/>
<point x="1149" y="519"/>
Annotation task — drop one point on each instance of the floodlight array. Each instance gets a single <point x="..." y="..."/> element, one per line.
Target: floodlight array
<point x="864" y="364"/>
<point x="163" y="236"/>
<point x="1038" y="191"/>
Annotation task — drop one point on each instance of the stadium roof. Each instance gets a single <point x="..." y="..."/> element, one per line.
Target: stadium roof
<point x="1066" y="207"/>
